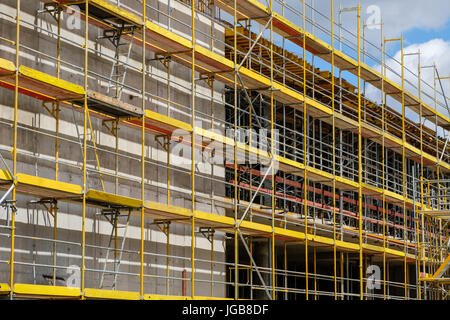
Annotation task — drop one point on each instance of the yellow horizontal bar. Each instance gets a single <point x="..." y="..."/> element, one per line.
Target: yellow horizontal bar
<point x="111" y="294"/>
<point x="347" y="181"/>
<point x="211" y="298"/>
<point x="394" y="139"/>
<point x="117" y="11"/>
<point x="212" y="135"/>
<point x="416" y="150"/>
<point x="168" y="120"/>
<point x="290" y="162"/>
<point x="393" y="39"/>
<point x="372" y="188"/>
<point x="319" y="172"/>
<point x="213" y="55"/>
<point x="164" y="297"/>
<point x="48" y="184"/>
<point x="399" y="253"/>
<point x="214" y="218"/>
<point x="168" y="34"/>
<point x="318" y="106"/>
<point x="391" y="194"/>
<point x="290" y="233"/>
<point x="438" y="280"/>
<point x="50" y="80"/>
<point x="7" y="65"/>
<point x="257" y="227"/>
<point x="4" y="288"/>
<point x="347" y="245"/>
<point x="43" y="290"/>
<point x="113" y="199"/>
<point x="5" y="176"/>
<point x="156" y="206"/>
<point x="372" y="247"/>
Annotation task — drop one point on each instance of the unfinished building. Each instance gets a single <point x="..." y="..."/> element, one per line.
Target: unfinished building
<point x="216" y="149"/>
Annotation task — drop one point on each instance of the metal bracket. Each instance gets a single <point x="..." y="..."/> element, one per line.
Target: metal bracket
<point x="162" y="225"/>
<point x="164" y="59"/>
<point x="207" y="232"/>
<point x="208" y="79"/>
<point x="9" y="205"/>
<point x="112" y="215"/>
<point x="164" y="55"/>
<point x="53" y="9"/>
<point x="163" y="141"/>
<point x="113" y="128"/>
<point x="54" y="108"/>
<point x="51" y="205"/>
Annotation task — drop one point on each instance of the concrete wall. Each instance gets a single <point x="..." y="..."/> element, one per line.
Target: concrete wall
<point x="36" y="147"/>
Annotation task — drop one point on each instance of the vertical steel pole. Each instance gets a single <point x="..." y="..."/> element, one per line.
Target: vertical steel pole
<point x="193" y="153"/>
<point x="236" y="246"/>
<point x="272" y="151"/>
<point x="405" y="191"/>
<point x="212" y="128"/>
<point x="167" y="257"/>
<point x="212" y="261"/>
<point x="383" y="129"/>
<point x="420" y="214"/>
<point x="16" y="106"/>
<point x="58" y="73"/>
<point x="305" y="151"/>
<point x="144" y="71"/>
<point x="168" y="61"/>
<point x="342" y="273"/>
<point x="86" y="110"/>
<point x="359" y="158"/>
<point x="285" y="273"/>
<point x="115" y="126"/>
<point x="316" y="297"/>
<point x="54" y="209"/>
<point x="333" y="151"/>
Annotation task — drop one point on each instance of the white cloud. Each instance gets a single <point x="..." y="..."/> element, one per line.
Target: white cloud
<point x="398" y="15"/>
<point x="433" y="51"/>
<point x="403" y="15"/>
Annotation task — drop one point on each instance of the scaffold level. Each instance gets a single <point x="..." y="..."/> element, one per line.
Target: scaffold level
<point x="198" y="150"/>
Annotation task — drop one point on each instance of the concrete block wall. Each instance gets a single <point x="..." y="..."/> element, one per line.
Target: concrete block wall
<point x="36" y="147"/>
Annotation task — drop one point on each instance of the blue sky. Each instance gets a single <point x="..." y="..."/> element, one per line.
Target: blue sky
<point x="418" y="35"/>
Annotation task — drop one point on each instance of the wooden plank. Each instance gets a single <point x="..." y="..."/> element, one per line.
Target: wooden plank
<point x="111" y="106"/>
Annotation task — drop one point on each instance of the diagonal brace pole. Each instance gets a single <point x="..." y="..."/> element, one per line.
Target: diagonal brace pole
<point x="7" y="193"/>
<point x="253" y="261"/>
<point x="254" y="196"/>
<point x="255" y="43"/>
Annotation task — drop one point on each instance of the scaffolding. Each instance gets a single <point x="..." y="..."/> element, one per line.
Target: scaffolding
<point x="332" y="184"/>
